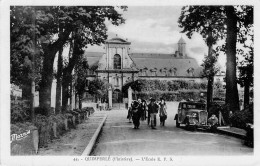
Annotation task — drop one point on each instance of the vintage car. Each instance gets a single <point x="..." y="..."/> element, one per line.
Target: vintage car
<point x="192" y="114"/>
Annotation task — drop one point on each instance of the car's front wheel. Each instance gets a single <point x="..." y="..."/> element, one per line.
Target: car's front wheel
<point x="187" y="124"/>
<point x="177" y="123"/>
<point x="176" y="119"/>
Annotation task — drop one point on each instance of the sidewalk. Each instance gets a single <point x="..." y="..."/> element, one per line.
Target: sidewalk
<point x="77" y="141"/>
<point x="232" y="131"/>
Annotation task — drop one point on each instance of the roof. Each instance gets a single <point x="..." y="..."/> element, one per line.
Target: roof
<point x="162" y="62"/>
<point x="118" y="40"/>
<point x="181" y="40"/>
<point x="153" y="55"/>
<point x="155" y="62"/>
<point x="93" y="57"/>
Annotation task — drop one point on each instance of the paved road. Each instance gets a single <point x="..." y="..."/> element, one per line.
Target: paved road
<point x="119" y="138"/>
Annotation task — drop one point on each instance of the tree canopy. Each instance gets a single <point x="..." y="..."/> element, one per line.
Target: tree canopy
<point x="225" y="22"/>
<point x="43" y="30"/>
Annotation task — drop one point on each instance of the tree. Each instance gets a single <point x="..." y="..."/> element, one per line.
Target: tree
<point x="226" y="22"/>
<point x="136" y="86"/>
<point x="246" y="72"/>
<point x="26" y="61"/>
<point x="97" y="88"/>
<point x="81" y="73"/>
<point x="209" y="71"/>
<point x="53" y="27"/>
<point x="90" y="19"/>
<point x="59" y="79"/>
<point x="23" y="49"/>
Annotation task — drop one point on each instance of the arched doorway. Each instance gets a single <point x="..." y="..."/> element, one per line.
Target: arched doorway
<point x="117" y="96"/>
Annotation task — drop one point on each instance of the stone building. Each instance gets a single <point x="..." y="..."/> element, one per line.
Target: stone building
<point x="117" y="65"/>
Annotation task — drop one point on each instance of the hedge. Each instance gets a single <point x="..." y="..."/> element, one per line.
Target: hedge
<point x="170" y="96"/>
<point x="173" y="85"/>
<point x="240" y="118"/>
<point x="48" y="128"/>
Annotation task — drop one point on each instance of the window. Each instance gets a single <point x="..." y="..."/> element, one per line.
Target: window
<point x="117" y="80"/>
<point x="117" y="61"/>
<point x="190" y="71"/>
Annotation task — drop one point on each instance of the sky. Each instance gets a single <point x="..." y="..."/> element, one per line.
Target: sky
<point x="154" y="29"/>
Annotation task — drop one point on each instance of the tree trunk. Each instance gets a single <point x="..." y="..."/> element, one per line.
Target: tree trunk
<point x="50" y="51"/>
<point x="80" y="101"/>
<point x="74" y="54"/>
<point x="26" y="90"/>
<point x="211" y="76"/>
<point x="65" y="92"/>
<point x="209" y="91"/>
<point x="246" y="94"/>
<point x="46" y="82"/>
<point x="76" y="101"/>
<point x="231" y="83"/>
<point x="58" y="87"/>
<point x="71" y="92"/>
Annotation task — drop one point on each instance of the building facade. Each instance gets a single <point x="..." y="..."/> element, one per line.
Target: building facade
<point x="118" y="66"/>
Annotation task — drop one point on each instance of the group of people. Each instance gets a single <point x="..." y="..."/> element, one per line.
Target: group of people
<point x="140" y="110"/>
<point x="102" y="105"/>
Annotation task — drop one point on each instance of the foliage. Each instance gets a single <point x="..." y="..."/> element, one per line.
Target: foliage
<point x="23" y="46"/>
<point x="81" y="72"/>
<point x="225" y="22"/>
<point x="136" y="85"/>
<point x="162" y="85"/>
<point x="20" y="111"/>
<point x="240" y="118"/>
<point x="96" y="87"/>
<point x="203" y="19"/>
<point x="44" y="30"/>
<point x="18" y="128"/>
<point x="246" y="66"/>
<point x="209" y="66"/>
<point x="170" y="95"/>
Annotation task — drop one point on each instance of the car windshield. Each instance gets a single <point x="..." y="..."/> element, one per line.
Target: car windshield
<point x="193" y="106"/>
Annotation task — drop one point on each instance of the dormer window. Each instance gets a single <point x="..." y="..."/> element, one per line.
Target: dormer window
<point x="144" y="73"/>
<point x="117" y="61"/>
<point x="153" y="71"/>
<point x="173" y="71"/>
<point x="190" y="72"/>
<point x="164" y="71"/>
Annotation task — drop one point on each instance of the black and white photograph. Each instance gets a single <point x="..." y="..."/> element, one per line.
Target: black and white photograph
<point x="128" y="84"/>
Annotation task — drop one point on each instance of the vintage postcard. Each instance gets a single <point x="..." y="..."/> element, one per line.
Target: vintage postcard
<point x="129" y="83"/>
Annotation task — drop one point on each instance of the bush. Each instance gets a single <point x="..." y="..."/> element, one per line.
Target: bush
<point x="240" y="118"/>
<point x="169" y="95"/>
<point x="42" y="111"/>
<point x="44" y="127"/>
<point x="20" y="111"/>
<point x="22" y="127"/>
<point x="163" y="85"/>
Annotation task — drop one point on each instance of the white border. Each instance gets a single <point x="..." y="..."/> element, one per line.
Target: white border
<point x="6" y="159"/>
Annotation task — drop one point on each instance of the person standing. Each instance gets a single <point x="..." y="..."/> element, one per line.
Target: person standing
<point x="148" y="115"/>
<point x="99" y="105"/>
<point x="136" y="114"/>
<point x="143" y="108"/>
<point x="153" y="110"/>
<point x="163" y="112"/>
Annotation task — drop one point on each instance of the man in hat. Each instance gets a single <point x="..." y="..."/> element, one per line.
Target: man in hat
<point x="153" y="110"/>
<point x="136" y="114"/>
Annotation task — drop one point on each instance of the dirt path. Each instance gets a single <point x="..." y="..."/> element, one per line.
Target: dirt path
<point x="74" y="142"/>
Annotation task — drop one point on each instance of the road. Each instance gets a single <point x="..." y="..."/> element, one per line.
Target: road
<point x="119" y="138"/>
